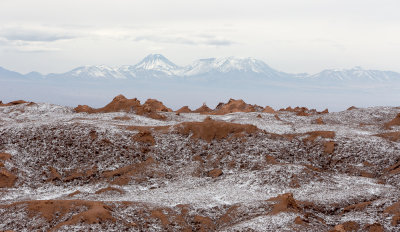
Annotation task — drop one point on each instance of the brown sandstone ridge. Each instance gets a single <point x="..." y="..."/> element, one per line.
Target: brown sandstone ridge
<point x="53" y="211"/>
<point x="144" y="136"/>
<point x="204" y="109"/>
<point x="303" y="111"/>
<point x="284" y="203"/>
<point x="329" y="147"/>
<point x="84" y="109"/>
<point x="352" y="108"/>
<point x="319" y="121"/>
<point x="346" y="227"/>
<point x="54" y="174"/>
<point x="215" y="173"/>
<point x="153" y="105"/>
<point x="13" y="103"/>
<point x="121" y="103"/>
<point x="210" y="129"/>
<point x="233" y="106"/>
<point x="393" y="122"/>
<point x="7" y="179"/>
<point x="269" y="109"/>
<point x="325" y="111"/>
<point x="5" y="156"/>
<point x="376" y="227"/>
<point x="184" y="109"/>
<point x="395" y="210"/>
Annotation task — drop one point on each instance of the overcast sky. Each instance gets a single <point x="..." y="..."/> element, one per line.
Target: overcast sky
<point x="290" y="35"/>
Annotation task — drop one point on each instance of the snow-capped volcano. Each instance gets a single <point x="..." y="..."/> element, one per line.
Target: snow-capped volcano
<point x="158" y="66"/>
<point x="153" y="65"/>
<point x="156" y="62"/>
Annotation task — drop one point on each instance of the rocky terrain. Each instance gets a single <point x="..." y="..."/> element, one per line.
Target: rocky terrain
<point x="143" y="167"/>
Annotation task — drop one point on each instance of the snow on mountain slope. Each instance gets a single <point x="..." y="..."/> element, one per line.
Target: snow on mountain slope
<point x="158" y="66"/>
<point x="355" y="74"/>
<point x="157" y="62"/>
<point x="230" y="65"/>
<point x="96" y="71"/>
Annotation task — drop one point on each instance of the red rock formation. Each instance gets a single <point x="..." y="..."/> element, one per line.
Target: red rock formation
<point x="215" y="173"/>
<point x="152" y="105"/>
<point x="269" y="109"/>
<point x="233" y="106"/>
<point x="5" y="156"/>
<point x="121" y="103"/>
<point x="54" y="174"/>
<point x="346" y="227"/>
<point x="13" y="103"/>
<point x="84" y="109"/>
<point x="144" y="137"/>
<point x="7" y="179"/>
<point x="319" y="121"/>
<point x="184" y="109"/>
<point x="394" y="209"/>
<point x="210" y="129"/>
<point x="393" y="122"/>
<point x="326" y="111"/>
<point x="376" y="227"/>
<point x="97" y="212"/>
<point x="284" y="203"/>
<point x="329" y="147"/>
<point x="204" y="109"/>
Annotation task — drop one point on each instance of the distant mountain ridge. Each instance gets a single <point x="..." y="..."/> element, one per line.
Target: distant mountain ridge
<point x="158" y="66"/>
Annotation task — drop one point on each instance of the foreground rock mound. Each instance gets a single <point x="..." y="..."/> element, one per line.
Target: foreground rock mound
<point x="121" y="104"/>
<point x="234" y="106"/>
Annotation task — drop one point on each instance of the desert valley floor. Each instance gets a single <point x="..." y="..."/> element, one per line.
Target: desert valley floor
<point x="143" y="167"/>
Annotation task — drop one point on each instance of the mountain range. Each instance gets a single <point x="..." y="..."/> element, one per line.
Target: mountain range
<point x="158" y="66"/>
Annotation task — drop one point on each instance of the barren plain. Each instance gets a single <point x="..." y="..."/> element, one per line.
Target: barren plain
<point x="142" y="167"/>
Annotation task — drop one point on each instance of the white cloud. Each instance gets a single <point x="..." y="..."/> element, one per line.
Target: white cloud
<point x="21" y="34"/>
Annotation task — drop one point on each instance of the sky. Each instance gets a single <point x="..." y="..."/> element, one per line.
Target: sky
<point x="296" y="36"/>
